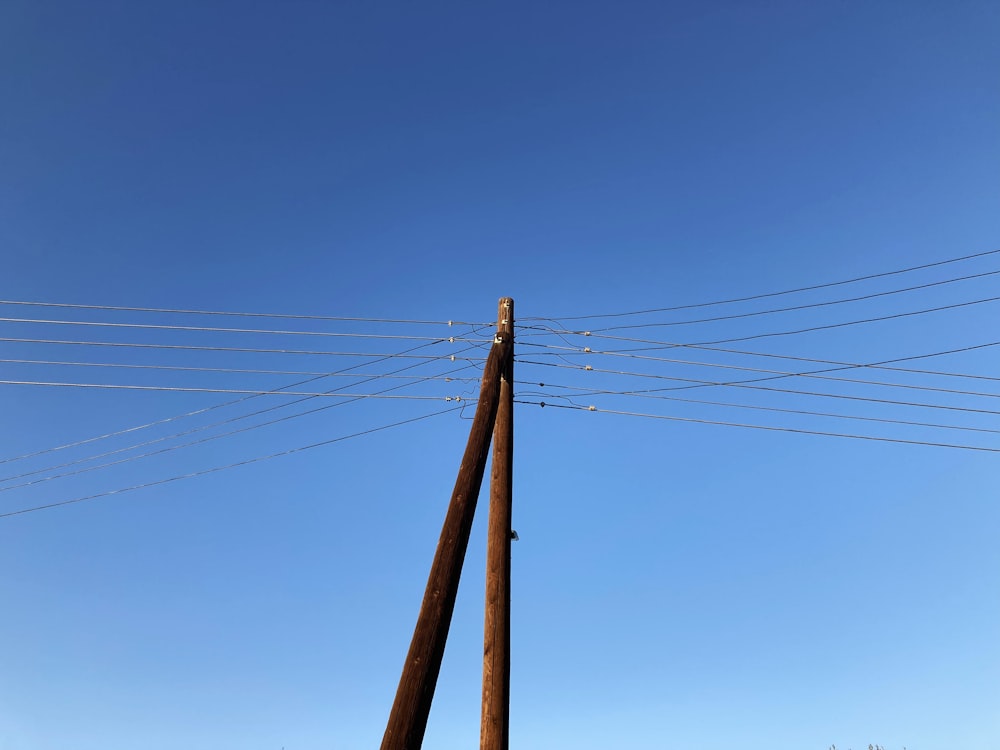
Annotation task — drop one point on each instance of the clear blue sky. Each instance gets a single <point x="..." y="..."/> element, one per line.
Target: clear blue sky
<point x="677" y="585"/>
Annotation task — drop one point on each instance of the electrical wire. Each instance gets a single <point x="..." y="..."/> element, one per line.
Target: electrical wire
<point x="349" y="398"/>
<point x="770" y="428"/>
<point x="213" y="470"/>
<point x="181" y="368"/>
<point x="288" y="316"/>
<point x="628" y="353"/>
<point x="210" y="438"/>
<point x="842" y="366"/>
<point x="216" y="329"/>
<point x="230" y="420"/>
<point x="811" y="329"/>
<point x="375" y="359"/>
<point x="183" y="389"/>
<point x="741" y="384"/>
<point x="770" y="294"/>
<point x="814" y="374"/>
<point x="188" y="347"/>
<point x="795" y="308"/>
<point x="853" y="365"/>
<point x="583" y="392"/>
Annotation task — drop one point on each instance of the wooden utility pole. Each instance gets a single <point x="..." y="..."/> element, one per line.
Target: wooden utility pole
<point x="408" y="718"/>
<point x="494" y="727"/>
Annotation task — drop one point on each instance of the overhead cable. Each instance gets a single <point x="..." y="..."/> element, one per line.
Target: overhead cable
<point x="584" y="392"/>
<point x="171" y="448"/>
<point x="228" y="370"/>
<point x="882" y="365"/>
<point x="218" y="329"/>
<point x="770" y="428"/>
<point x="795" y="308"/>
<point x="842" y="366"/>
<point x="771" y="334"/>
<point x="183" y="389"/>
<point x="227" y="466"/>
<point x="813" y="374"/>
<point x="289" y="316"/>
<point x="771" y="294"/>
<point x="374" y="359"/>
<point x="230" y="420"/>
<point x="225" y="348"/>
<point x="742" y="384"/>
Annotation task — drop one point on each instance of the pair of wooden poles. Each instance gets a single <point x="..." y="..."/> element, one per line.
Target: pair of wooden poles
<point x="494" y="414"/>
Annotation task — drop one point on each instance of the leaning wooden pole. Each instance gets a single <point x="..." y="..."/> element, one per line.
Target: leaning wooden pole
<point x="408" y="718"/>
<point x="494" y="728"/>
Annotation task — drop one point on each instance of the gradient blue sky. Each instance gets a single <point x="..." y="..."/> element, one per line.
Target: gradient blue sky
<point x="677" y="585"/>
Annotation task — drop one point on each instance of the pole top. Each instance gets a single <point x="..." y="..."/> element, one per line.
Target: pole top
<point x="505" y="316"/>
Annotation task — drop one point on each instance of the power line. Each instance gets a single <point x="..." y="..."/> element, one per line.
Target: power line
<point x="797" y="430"/>
<point x="852" y="365"/>
<point x="188" y="347"/>
<point x="814" y="374"/>
<point x="742" y="384"/>
<point x="183" y="389"/>
<point x="218" y="329"/>
<point x="794" y="308"/>
<point x="639" y="394"/>
<point x="773" y="294"/>
<point x="210" y="438"/>
<point x="228" y="466"/>
<point x="375" y="359"/>
<point x="289" y="316"/>
<point x="842" y="366"/>
<point x="230" y="420"/>
<point x="882" y="365"/>
<point x="230" y="370"/>
<point x="810" y="329"/>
